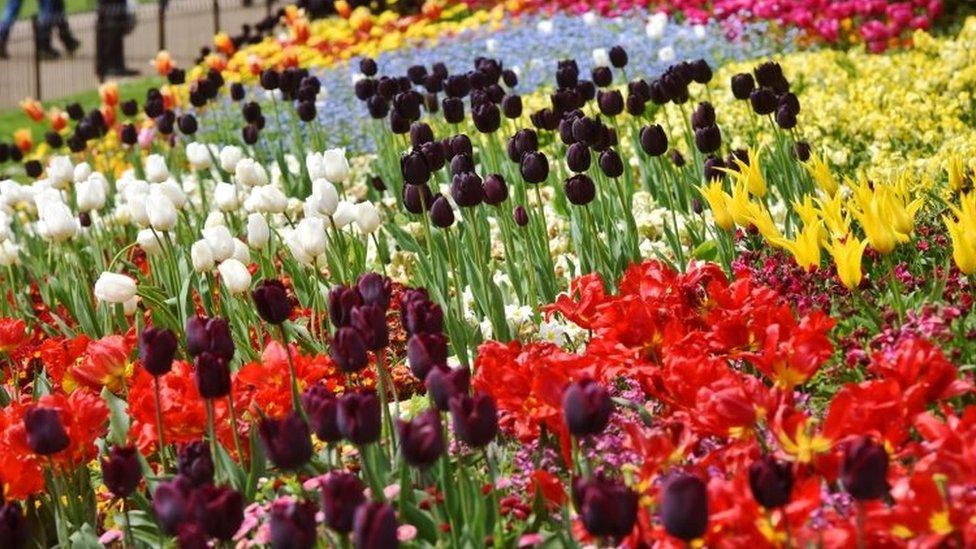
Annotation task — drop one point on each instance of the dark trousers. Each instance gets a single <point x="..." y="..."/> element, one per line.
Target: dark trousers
<point x="109" y="37"/>
<point x="51" y="16"/>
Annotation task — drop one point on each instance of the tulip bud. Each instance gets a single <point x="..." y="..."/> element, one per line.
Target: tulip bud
<point x="367" y="217"/>
<point x="348" y="349"/>
<point x="586" y="407"/>
<point x="496" y="191"/>
<point x="286" y="441"/>
<point x="14" y="529"/>
<point x="802" y="151"/>
<point x="512" y="106"/>
<point x="422" y="438"/>
<point x="742" y="85"/>
<point x="220" y="510"/>
<point x="708" y="139"/>
<point x="114" y="288"/>
<point x="771" y="481"/>
<point x="370" y="322"/>
<point x="157" y="347"/>
<point x="475" y="418"/>
<point x="864" y="470"/>
<point x="193" y="461"/>
<point x="342" y="494"/>
<point x="342" y="300"/>
<point x="534" y="167"/>
<point x="419" y="314"/>
<point x="417" y="198"/>
<point x="763" y="101"/>
<point x="156" y="170"/>
<point x="607" y="507"/>
<point x="580" y="189"/>
<point x="292" y="524"/>
<point x="684" y="507"/>
<point x="424" y="351"/>
<point x="322" y="409"/>
<point x="441" y="213"/>
<point x="45" y="433"/>
<point x="212" y="375"/>
<point x="359" y="417"/>
<point x="521" y="216"/>
<point x="258" y="232"/>
<point x="375" y="527"/>
<point x="271" y="301"/>
<point x="611" y="164"/>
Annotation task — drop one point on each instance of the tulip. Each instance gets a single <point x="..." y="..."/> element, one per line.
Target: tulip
<point x="219" y="509"/>
<point x="322" y="408"/>
<point x="258" y="232"/>
<point x="771" y="481"/>
<point x="521" y="216"/>
<point x="249" y="173"/>
<point x="417" y="198"/>
<point x="534" y="167"/>
<point x="496" y="191"/>
<point x="864" y="470"/>
<point x="342" y="494"/>
<point x="121" y="471"/>
<point x="157" y="348"/>
<point x="212" y="375"/>
<point x="193" y="461"/>
<point x="345" y="214"/>
<point x="375" y="289"/>
<point x="422" y="438"/>
<point x="847" y="258"/>
<point x="324" y="198"/>
<point x="708" y="139"/>
<point x="267" y="199"/>
<point x="14" y="529"/>
<point x="742" y="85"/>
<point x="370" y="322"/>
<point x="684" y="507"/>
<point x="150" y="241"/>
<point x="90" y="194"/>
<point x="359" y="417"/>
<point x="45" y="432"/>
<point x="235" y="276"/>
<point x="441" y="213"/>
<point x="606" y="507"/>
<point x="336" y="165"/>
<point x="171" y="503"/>
<point x="202" y="257"/>
<point x="192" y="535"/>
<point x="271" y="301"/>
<point x="375" y="527"/>
<point x="367" y="217"/>
<point x="226" y="197"/>
<point x="286" y="441"/>
<point x="342" y="300"/>
<point x="220" y="241"/>
<point x="348" y="349"/>
<point x="292" y="524"/>
<point x="586" y="407"/>
<point x="580" y="189"/>
<point x="156" y="170"/>
<point x="198" y="156"/>
<point x="475" y="418"/>
<point x="424" y="351"/>
<point x="114" y="288"/>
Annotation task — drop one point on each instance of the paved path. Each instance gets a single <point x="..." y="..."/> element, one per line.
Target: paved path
<point x="189" y="26"/>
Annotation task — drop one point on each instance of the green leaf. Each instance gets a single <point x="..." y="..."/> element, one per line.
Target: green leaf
<point x="118" y="419"/>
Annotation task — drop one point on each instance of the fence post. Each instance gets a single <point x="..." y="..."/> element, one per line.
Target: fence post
<point x="35" y="34"/>
<point x="216" y="16"/>
<point x="162" y="25"/>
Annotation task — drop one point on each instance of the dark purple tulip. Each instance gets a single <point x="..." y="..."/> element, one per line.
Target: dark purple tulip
<point x="534" y="167"/>
<point x="467" y="189"/>
<point x="187" y="124"/>
<point x="322" y="408"/>
<point x="422" y="438"/>
<point x="237" y="91"/>
<point x="444" y="383"/>
<point x="802" y="151"/>
<point x="370" y="322"/>
<point x="342" y="494"/>
<point x="769" y="74"/>
<point x="475" y="418"/>
<point x="635" y="104"/>
<point x="129" y="135"/>
<point x="785" y="118"/>
<point x="461" y="144"/>
<point x="441" y="213"/>
<point x="287" y="442"/>
<point x="121" y="470"/>
<point x="306" y="111"/>
<point x="348" y="349"/>
<point x="453" y="109"/>
<point x="578" y="157"/>
<point x="367" y="66"/>
<point x="708" y="140"/>
<point x="424" y="350"/>
<point x="771" y="481"/>
<point x="611" y="164"/>
<point x="742" y="85"/>
<point x="611" y="102"/>
<point x="14" y="530"/>
<point x="521" y="216"/>
<point x="45" y="433"/>
<point x="375" y="289"/>
<point x="586" y="407"/>
<point x="421" y="316"/>
<point x="342" y="300"/>
<point x="433" y="152"/>
<point x="212" y="375"/>
<point x="677" y="159"/>
<point x="607" y="507"/>
<point x="512" y="106"/>
<point x="420" y="133"/>
<point x="602" y="76"/>
<point x="271" y="301"/>
<point x="192" y="535"/>
<point x="713" y="168"/>
<point x="701" y="72"/>
<point x="292" y="524"/>
<point x="157" y="347"/>
<point x="250" y="134"/>
<point x="193" y="461"/>
<point x="580" y="189"/>
<point x="375" y="527"/>
<point x="763" y="101"/>
<point x="270" y="79"/>
<point x="171" y="503"/>
<point x="864" y="471"/>
<point x="703" y="116"/>
<point x="378" y="107"/>
<point x="407" y="105"/>
<point x="487" y="117"/>
<point x="359" y="417"/>
<point x="209" y="335"/>
<point x="220" y="510"/>
<point x="684" y="507"/>
<point x="414" y="168"/>
<point x="496" y="191"/>
<point x="618" y="57"/>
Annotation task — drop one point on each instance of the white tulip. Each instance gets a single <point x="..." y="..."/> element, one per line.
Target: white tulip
<point x="129" y="307"/>
<point x="202" y="256"/>
<point x="310" y="236"/>
<point x="250" y="173"/>
<point x="156" y="170"/>
<point x="81" y="172"/>
<point x="198" y="155"/>
<point x="214" y="219"/>
<point x="60" y="172"/>
<point x="129" y="187"/>
<point x="220" y="241"/>
<point x="241" y="252"/>
<point x="344" y="215"/>
<point x="336" y="165"/>
<point x="324" y="198"/>
<point x="235" y="276"/>
<point x="174" y="193"/>
<point x="160" y="210"/>
<point x="90" y="194"/>
<point x="367" y="217"/>
<point x="290" y="237"/>
<point x="225" y="197"/>
<point x="114" y="288"/>
<point x="665" y="54"/>
<point x="229" y="157"/>
<point x="56" y="222"/>
<point x="150" y="242"/>
<point x="315" y="165"/>
<point x="258" y="232"/>
<point x="266" y="199"/>
<point x="9" y="253"/>
<point x="601" y="58"/>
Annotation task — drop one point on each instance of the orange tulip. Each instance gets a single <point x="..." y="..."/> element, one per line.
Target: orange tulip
<point x="290" y="58"/>
<point x="170" y="98"/>
<point x="300" y="32"/>
<point x="33" y="109"/>
<point x="254" y="65"/>
<point x="216" y="62"/>
<point x="224" y="44"/>
<point x="58" y="119"/>
<point x="109" y="93"/>
<point x="24" y="140"/>
<point x="163" y="63"/>
<point x="108" y="113"/>
<point x="343" y="9"/>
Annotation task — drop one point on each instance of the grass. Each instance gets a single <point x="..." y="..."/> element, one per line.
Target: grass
<point x="13" y="119"/>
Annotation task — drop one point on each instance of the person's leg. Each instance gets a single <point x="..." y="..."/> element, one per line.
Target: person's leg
<point x="64" y="30"/>
<point x="45" y="21"/>
<point x="11" y="9"/>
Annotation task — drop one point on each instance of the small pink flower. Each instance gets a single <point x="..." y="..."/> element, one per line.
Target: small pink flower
<point x="406" y="532"/>
<point x="111" y="536"/>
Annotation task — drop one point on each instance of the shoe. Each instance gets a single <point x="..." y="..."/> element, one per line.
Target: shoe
<point x="71" y="44"/>
<point x="48" y="53"/>
<point x="122" y="72"/>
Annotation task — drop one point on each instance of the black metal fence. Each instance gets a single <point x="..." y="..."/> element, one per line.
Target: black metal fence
<point x="181" y="27"/>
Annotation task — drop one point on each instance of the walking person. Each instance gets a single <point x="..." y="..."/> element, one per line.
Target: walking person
<point x="52" y="15"/>
<point x="11" y="9"/>
<point x="114" y="22"/>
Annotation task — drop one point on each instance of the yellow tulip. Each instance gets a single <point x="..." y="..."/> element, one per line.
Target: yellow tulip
<point x="718" y="200"/>
<point x="740" y="207"/>
<point x="805" y="247"/>
<point x="749" y="173"/>
<point x="847" y="254"/>
<point x="821" y="175"/>
<point x="806" y="210"/>
<point x="833" y="215"/>
<point x="962" y="231"/>
<point x="957" y="173"/>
